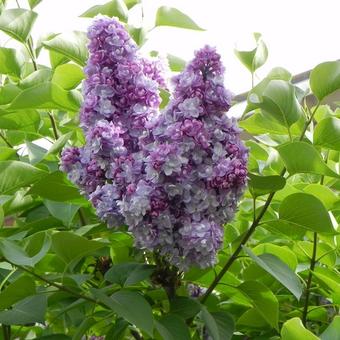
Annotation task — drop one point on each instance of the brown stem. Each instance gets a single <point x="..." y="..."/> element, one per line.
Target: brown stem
<point x="245" y="239"/>
<point x="309" y="280"/>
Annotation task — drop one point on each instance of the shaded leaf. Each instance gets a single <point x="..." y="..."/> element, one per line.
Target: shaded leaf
<point x="15" y="175"/>
<point x="306" y="211"/>
<point x="30" y="310"/>
<point x="262" y="185"/>
<point x="279" y="270"/>
<point x="129" y="305"/>
<point x="70" y="247"/>
<point x="18" y="290"/>
<point x="172" y="327"/>
<point x="46" y="96"/>
<point x="327" y="133"/>
<point x="311" y="162"/>
<point x="263" y="300"/>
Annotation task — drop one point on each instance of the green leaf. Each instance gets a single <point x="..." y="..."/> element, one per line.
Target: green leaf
<point x="332" y="331"/>
<point x="131" y="3"/>
<point x="279" y="73"/>
<point x="293" y="329"/>
<point x="165" y="96"/>
<point x="72" y="46"/>
<point x="36" y="249"/>
<point x="68" y="76"/>
<point x="6" y="153"/>
<point x="59" y="143"/>
<point x="46" y="96"/>
<point x="35" y="152"/>
<point x="176" y="64"/>
<point x="127" y="274"/>
<point x="11" y="61"/>
<point x="57" y="59"/>
<point x="172" y="327"/>
<point x="70" y="247"/>
<point x="262" y="185"/>
<point x="325" y="79"/>
<point x="168" y="16"/>
<point x="30" y="310"/>
<point x="7" y="93"/>
<point x="220" y="325"/>
<point x="83" y="328"/>
<point x="306" y="211"/>
<point x="138" y="34"/>
<point x="327" y="133"/>
<point x="311" y="162"/>
<point x="15" y="175"/>
<point x="36" y="77"/>
<point x="62" y="211"/>
<point x="17" y="23"/>
<point x="184" y="307"/>
<point x="323" y="193"/>
<point x="27" y="121"/>
<point x="56" y="187"/>
<point x="276" y="98"/>
<point x="114" y="8"/>
<point x="130" y="306"/>
<point x="18" y="290"/>
<point x="263" y="300"/>
<point x="261" y="123"/>
<point x="284" y="253"/>
<point x="279" y="270"/>
<point x="255" y="58"/>
<point x="34" y="3"/>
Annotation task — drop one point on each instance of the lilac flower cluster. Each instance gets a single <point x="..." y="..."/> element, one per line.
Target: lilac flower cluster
<point x="174" y="177"/>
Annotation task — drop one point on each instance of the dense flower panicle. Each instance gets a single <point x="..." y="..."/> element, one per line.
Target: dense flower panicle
<point x="173" y="177"/>
<point x="198" y="162"/>
<point x="121" y="91"/>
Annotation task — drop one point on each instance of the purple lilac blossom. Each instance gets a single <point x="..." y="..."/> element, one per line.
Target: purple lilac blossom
<point x="195" y="168"/>
<point x="121" y="91"/>
<point x="173" y="177"/>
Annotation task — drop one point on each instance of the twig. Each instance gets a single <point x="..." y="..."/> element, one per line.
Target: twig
<point x="6" y="141"/>
<point x="54" y="126"/>
<point x="56" y="285"/>
<point x="309" y="280"/>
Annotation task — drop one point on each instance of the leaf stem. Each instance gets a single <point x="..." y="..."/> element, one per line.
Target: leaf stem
<point x="308" y="122"/>
<point x="6" y="141"/>
<point x="309" y="280"/>
<point x="234" y="256"/>
<point x="54" y="126"/>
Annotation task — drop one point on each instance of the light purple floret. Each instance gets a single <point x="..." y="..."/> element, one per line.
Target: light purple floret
<point x="173" y="177"/>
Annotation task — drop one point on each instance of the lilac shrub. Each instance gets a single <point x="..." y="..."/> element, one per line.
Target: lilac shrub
<point x="173" y="177"/>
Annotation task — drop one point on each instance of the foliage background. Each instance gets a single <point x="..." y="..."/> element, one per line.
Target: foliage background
<point x="64" y="275"/>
